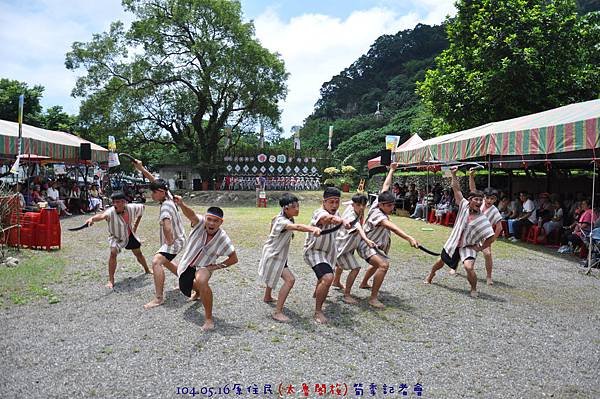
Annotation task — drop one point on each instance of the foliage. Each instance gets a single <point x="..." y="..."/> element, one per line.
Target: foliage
<point x="348" y="170"/>
<point x="10" y="90"/>
<point x="179" y="75"/>
<point x="331" y="171"/>
<point x="509" y="58"/>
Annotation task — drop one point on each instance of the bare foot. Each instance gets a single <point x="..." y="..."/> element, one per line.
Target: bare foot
<point x="279" y="316"/>
<point x="474" y="294"/>
<point x="337" y="285"/>
<point x="154" y="303"/>
<point x="364" y="287"/>
<point x="269" y="299"/>
<point x="194" y="296"/>
<point x="208" y="325"/>
<point x="452" y="272"/>
<point x="110" y="285"/>
<point x="376" y="304"/>
<point x="349" y="299"/>
<point x="148" y="271"/>
<point x="428" y="279"/>
<point x="320" y="318"/>
<point x="489" y="281"/>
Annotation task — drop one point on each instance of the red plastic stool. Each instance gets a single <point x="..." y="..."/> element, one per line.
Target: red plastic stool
<point x="533" y="233"/>
<point x="431" y="216"/>
<point x="449" y="219"/>
<point x="505" y="232"/>
<point x="261" y="203"/>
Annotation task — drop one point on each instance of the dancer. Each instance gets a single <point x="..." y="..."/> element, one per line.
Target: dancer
<point x="172" y="234"/>
<point x="378" y="228"/>
<point x="488" y="208"/>
<point x="320" y="249"/>
<point x="206" y="243"/>
<point x="472" y="233"/>
<point x="123" y="220"/>
<point x="347" y="242"/>
<point x="274" y="260"/>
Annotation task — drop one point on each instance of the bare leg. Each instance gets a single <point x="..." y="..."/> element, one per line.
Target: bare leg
<point x="140" y="258"/>
<point x="320" y="294"/>
<point x="336" y="279"/>
<point x="487" y="254"/>
<point x="206" y="296"/>
<point x="471" y="276"/>
<point x="288" y="284"/>
<point x="382" y="267"/>
<point x="368" y="274"/>
<point x="436" y="266"/>
<point x="159" y="281"/>
<point x="268" y="297"/>
<point x="348" y="298"/>
<point x="112" y="267"/>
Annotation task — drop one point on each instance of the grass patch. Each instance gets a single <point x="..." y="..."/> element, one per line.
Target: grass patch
<point x="31" y="280"/>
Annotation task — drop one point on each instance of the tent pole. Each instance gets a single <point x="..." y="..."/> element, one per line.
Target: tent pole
<point x="589" y="263"/>
<point x="489" y="171"/>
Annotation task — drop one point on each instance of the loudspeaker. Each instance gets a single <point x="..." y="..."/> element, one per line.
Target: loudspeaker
<point x="386" y="157"/>
<point x="85" y="152"/>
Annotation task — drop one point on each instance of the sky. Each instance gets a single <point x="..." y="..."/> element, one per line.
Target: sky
<point x="316" y="39"/>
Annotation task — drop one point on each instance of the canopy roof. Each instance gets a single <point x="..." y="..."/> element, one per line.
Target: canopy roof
<point x="59" y="146"/>
<point x="574" y="127"/>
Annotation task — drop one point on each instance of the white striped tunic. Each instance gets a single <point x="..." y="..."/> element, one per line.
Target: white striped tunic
<point x="466" y="234"/>
<point x="347" y="241"/>
<point x="375" y="231"/>
<point x="321" y="249"/>
<point x="197" y="253"/>
<point x="168" y="210"/>
<point x="275" y="252"/>
<point x="492" y="213"/>
<point x="118" y="229"/>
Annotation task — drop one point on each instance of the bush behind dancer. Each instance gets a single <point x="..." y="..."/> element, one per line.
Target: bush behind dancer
<point x="274" y="260"/>
<point x="206" y="243"/>
<point x="172" y="234"/>
<point x="378" y="228"/>
<point x="320" y="250"/>
<point x="347" y="242"/>
<point x="123" y="220"/>
<point x="488" y="208"/>
<point x="472" y="233"/>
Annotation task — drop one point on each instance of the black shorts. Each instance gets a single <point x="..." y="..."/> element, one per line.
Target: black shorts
<point x="322" y="269"/>
<point x="169" y="257"/>
<point x="451" y="261"/>
<point x="186" y="281"/>
<point x="132" y="243"/>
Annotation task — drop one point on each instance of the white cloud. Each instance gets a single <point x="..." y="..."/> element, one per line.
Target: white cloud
<point x="317" y="47"/>
<point x="35" y="38"/>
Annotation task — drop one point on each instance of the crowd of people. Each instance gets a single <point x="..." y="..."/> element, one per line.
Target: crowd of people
<point x="271" y="183"/>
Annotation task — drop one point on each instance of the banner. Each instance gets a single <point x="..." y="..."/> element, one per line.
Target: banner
<point x="112" y="144"/>
<point x="113" y="159"/>
<point x="330" y="137"/>
<point x="59" y="169"/>
<point x="296" y="132"/>
<point x="391" y="142"/>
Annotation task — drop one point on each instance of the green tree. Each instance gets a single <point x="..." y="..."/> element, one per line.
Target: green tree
<point x="509" y="58"/>
<point x="10" y="90"/>
<point x="54" y="118"/>
<point x="182" y="72"/>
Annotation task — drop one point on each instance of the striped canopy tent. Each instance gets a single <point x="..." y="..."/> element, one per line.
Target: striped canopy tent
<point x="412" y="141"/>
<point x="569" y="131"/>
<point x="57" y="146"/>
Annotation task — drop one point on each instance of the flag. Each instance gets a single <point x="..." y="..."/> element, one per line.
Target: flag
<point x="330" y="137"/>
<point x="15" y="168"/>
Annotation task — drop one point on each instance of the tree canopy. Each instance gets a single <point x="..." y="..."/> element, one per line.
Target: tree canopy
<point x="509" y="58"/>
<point x="183" y="71"/>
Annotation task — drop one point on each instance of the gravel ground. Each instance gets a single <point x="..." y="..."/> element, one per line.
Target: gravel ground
<point x="533" y="334"/>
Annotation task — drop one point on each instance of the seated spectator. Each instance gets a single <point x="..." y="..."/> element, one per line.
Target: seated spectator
<point x="544" y="207"/>
<point x="420" y="206"/>
<point x="36" y="195"/>
<point x="578" y="231"/>
<point x="95" y="201"/>
<point x="556" y="222"/>
<point x="55" y="201"/>
<point x="20" y="198"/>
<point x="411" y="197"/>
<point x="75" y="203"/>
<point x="503" y="207"/>
<point x="443" y="206"/>
<point x="525" y="219"/>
